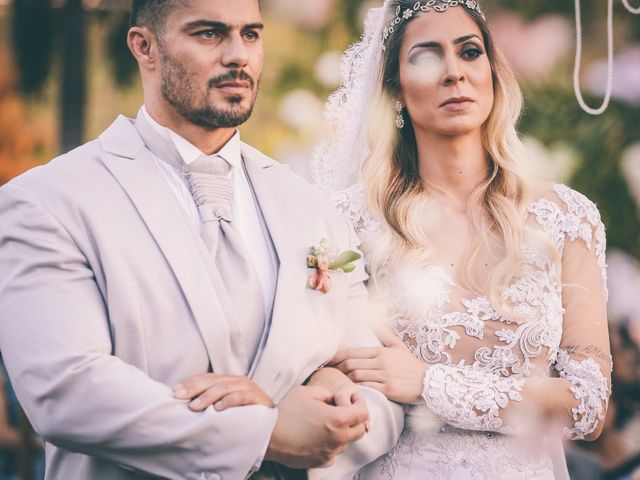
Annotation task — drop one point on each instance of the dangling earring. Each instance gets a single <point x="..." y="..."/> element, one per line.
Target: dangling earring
<point x="399" y="116"/>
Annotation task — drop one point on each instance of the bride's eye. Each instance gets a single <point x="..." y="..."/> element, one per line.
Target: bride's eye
<point x="471" y="52"/>
<point x="425" y="58"/>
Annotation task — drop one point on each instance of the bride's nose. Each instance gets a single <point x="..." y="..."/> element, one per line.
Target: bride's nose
<point x="453" y="73"/>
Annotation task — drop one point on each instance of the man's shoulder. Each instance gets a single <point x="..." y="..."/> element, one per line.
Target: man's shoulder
<point x="296" y="185"/>
<point x="74" y="168"/>
<point x="59" y="168"/>
<point x="300" y="194"/>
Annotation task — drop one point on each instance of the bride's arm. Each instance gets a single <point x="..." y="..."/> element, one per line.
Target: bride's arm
<point x="576" y="399"/>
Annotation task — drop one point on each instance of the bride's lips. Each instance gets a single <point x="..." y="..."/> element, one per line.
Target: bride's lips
<point x="457" y="104"/>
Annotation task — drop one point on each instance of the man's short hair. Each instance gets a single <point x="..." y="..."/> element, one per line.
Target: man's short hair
<point x="152" y="13"/>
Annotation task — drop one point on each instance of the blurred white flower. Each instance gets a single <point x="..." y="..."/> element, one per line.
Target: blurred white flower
<point x="297" y="157"/>
<point x="631" y="170"/>
<point x="327" y="69"/>
<point x="554" y="164"/>
<point x="302" y="110"/>
<point x="311" y="14"/>
<point x="533" y="49"/>
<point x="626" y="76"/>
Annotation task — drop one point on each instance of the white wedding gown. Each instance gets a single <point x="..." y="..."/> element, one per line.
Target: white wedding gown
<point x="488" y="373"/>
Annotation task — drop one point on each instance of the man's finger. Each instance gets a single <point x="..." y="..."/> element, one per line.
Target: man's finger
<point x="319" y="393"/>
<point x="215" y="394"/>
<point x="194" y="386"/>
<point x="241" y="398"/>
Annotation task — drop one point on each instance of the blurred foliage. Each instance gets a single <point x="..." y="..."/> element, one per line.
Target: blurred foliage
<point x="552" y="115"/>
<point x="123" y="66"/>
<point x="33" y="23"/>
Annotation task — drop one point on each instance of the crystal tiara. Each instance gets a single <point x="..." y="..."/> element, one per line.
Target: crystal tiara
<point x="437" y="5"/>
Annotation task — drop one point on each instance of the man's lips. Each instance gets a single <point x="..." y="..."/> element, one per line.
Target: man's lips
<point x="234" y="87"/>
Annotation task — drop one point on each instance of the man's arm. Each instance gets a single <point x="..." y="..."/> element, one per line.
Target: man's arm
<point x="386" y="418"/>
<point x="56" y="344"/>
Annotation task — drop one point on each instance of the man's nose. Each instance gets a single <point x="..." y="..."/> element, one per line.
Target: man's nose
<point x="235" y="53"/>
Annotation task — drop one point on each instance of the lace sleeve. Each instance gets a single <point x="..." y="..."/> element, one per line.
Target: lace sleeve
<point x="584" y="359"/>
<point x="578" y="388"/>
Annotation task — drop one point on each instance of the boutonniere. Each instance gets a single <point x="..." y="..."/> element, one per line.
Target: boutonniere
<point x="325" y="258"/>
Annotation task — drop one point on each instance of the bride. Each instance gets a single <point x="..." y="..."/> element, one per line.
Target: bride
<point x="494" y="287"/>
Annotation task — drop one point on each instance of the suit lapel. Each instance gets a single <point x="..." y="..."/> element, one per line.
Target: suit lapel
<point x="133" y="167"/>
<point x="297" y="334"/>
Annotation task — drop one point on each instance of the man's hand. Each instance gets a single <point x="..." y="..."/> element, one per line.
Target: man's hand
<point x="345" y="392"/>
<point x="311" y="429"/>
<point x="221" y="391"/>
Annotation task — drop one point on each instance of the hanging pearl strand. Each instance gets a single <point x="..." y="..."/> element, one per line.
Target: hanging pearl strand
<point x="578" y="63"/>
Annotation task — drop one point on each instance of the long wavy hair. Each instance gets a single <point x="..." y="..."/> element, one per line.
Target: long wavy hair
<point x="396" y="193"/>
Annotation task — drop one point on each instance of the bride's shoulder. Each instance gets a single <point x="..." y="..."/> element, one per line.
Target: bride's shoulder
<point x="563" y="198"/>
<point x="351" y="201"/>
<point x="566" y="213"/>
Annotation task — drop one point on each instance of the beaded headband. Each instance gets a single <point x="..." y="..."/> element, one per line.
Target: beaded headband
<point x="437" y="5"/>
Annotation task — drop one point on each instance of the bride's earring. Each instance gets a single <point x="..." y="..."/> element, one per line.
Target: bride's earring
<point x="399" y="116"/>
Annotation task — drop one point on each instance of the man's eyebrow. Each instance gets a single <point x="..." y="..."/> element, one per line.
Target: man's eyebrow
<point x="221" y="25"/>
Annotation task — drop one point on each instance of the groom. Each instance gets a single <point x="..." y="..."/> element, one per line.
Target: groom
<point x="167" y="253"/>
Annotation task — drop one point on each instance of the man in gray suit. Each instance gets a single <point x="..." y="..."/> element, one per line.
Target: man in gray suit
<point x="162" y="268"/>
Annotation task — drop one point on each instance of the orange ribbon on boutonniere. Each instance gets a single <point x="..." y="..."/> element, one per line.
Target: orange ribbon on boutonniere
<point x="325" y="258"/>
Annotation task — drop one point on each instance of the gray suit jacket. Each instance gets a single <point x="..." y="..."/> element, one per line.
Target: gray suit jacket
<point x="106" y="301"/>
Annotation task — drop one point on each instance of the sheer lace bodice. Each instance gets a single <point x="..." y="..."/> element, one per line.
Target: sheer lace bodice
<point x="504" y="372"/>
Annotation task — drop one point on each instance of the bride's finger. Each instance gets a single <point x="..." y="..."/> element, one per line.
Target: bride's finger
<point x="351" y="364"/>
<point x="360" y="376"/>
<point x="359" y="352"/>
<point x="387" y="337"/>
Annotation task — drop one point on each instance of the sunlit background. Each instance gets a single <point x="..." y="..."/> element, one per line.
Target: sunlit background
<point x="65" y="74"/>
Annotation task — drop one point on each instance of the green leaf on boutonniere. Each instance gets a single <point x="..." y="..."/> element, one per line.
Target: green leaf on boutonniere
<point x="344" y="261"/>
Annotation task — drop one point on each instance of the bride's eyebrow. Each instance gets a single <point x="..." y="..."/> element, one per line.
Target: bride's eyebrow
<point x="438" y="45"/>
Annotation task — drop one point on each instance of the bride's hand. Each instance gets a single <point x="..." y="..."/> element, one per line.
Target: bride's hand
<point x="391" y="369"/>
<point x="221" y="391"/>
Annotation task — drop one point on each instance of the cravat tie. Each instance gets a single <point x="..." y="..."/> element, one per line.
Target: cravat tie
<point x="239" y="288"/>
<point x="210" y="182"/>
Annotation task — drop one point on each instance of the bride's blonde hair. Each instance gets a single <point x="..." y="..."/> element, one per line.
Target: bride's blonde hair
<point x="396" y="193"/>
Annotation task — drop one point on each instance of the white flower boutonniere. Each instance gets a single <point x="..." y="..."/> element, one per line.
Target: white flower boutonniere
<point x="324" y="258"/>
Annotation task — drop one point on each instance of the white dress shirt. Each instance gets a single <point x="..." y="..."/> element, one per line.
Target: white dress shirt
<point x="247" y="217"/>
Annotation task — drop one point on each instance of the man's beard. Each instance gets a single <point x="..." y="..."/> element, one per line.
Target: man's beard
<point x="180" y="91"/>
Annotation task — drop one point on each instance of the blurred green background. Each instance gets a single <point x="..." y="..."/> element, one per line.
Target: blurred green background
<point x="65" y="73"/>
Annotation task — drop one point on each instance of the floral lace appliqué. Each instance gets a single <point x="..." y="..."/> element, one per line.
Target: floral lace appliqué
<point x="469" y="399"/>
<point x="590" y="388"/>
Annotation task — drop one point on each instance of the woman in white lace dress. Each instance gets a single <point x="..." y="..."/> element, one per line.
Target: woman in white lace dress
<point x="495" y="286"/>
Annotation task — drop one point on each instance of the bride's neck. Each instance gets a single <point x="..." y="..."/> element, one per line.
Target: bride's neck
<point x="454" y="165"/>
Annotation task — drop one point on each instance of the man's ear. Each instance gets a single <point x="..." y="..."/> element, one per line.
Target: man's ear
<point x="143" y="45"/>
